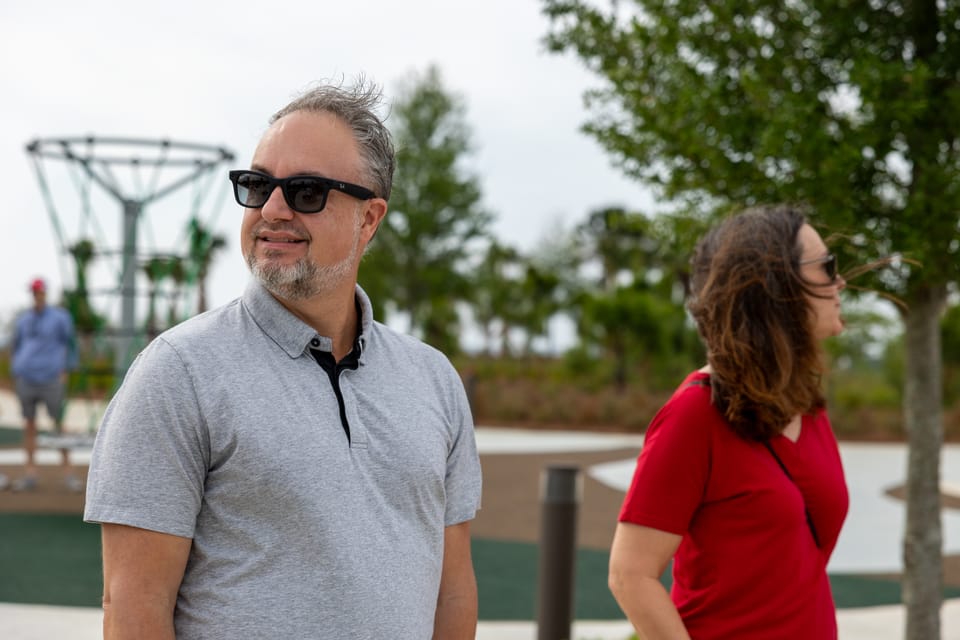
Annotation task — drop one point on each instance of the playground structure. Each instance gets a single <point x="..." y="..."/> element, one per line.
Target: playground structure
<point x="125" y="283"/>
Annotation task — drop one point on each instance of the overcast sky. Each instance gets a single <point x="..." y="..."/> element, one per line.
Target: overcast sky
<point x="212" y="72"/>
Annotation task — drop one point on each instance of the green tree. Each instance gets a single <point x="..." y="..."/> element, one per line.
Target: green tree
<point x="951" y="354"/>
<point x="630" y="308"/>
<point x="611" y="238"/>
<point x="77" y="300"/>
<point x="541" y="298"/>
<point x="516" y="295"/>
<point x="157" y="269"/>
<point x="421" y="258"/>
<point x="951" y="336"/>
<point x="202" y="246"/>
<point x="550" y="285"/>
<point x="615" y="239"/>
<point x="852" y="107"/>
<point x="497" y="294"/>
<point x="86" y="320"/>
<point x="178" y="276"/>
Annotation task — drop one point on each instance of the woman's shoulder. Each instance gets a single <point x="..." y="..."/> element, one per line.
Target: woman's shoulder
<point x="694" y="391"/>
<point x="689" y="407"/>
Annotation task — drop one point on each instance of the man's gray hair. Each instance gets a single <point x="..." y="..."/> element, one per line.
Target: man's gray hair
<point x="356" y="106"/>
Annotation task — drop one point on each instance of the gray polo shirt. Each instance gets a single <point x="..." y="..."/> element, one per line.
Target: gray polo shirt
<point x="227" y="431"/>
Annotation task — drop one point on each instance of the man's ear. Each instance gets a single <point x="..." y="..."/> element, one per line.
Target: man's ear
<point x="374" y="211"/>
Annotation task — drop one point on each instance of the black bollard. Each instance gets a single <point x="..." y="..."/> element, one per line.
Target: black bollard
<point x="560" y="491"/>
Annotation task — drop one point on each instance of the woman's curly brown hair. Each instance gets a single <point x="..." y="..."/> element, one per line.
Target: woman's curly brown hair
<point x="749" y="302"/>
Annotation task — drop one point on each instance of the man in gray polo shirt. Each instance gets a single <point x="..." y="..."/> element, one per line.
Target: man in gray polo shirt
<point x="284" y="466"/>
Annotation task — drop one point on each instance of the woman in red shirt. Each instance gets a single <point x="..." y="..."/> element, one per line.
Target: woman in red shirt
<point x="740" y="480"/>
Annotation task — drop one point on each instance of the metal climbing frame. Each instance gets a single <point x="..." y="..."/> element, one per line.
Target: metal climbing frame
<point x="136" y="174"/>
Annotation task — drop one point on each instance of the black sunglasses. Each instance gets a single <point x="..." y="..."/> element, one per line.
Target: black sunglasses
<point x="304" y="194"/>
<point x="829" y="262"/>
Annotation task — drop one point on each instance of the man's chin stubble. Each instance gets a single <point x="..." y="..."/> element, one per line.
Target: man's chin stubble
<point x="294" y="282"/>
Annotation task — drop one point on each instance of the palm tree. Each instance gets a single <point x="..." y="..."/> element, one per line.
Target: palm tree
<point x="203" y="244"/>
<point x="77" y="300"/>
<point x="156" y="269"/>
<point x="177" y="272"/>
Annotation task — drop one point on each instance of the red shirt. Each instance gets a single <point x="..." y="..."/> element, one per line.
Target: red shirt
<point x="748" y="565"/>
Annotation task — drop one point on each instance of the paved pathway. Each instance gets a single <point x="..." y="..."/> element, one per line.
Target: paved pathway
<point x="870" y="541"/>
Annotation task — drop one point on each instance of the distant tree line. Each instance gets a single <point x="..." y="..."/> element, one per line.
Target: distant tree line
<point x="618" y="277"/>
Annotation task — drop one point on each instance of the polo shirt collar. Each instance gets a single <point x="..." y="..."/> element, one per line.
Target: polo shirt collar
<point x="289" y="332"/>
<point x="366" y="318"/>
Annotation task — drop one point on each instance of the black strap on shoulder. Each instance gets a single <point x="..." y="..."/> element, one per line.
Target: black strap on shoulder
<point x="813" y="529"/>
<point x="705" y="382"/>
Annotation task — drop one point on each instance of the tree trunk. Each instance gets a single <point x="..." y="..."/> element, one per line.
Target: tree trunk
<point x="923" y="415"/>
<point x="202" y="290"/>
<point x="202" y="297"/>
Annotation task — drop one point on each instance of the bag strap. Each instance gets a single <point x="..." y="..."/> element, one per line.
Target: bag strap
<point x="813" y="530"/>
<point x="806" y="511"/>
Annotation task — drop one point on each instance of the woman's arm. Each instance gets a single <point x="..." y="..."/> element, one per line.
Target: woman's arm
<point x="638" y="557"/>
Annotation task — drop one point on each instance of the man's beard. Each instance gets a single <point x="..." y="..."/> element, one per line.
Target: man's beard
<point x="304" y="278"/>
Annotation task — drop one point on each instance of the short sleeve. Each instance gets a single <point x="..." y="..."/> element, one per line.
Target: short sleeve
<point x="463" y="482"/>
<point x="673" y="468"/>
<point x="150" y="456"/>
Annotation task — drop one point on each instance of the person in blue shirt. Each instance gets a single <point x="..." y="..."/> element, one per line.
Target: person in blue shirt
<point x="43" y="351"/>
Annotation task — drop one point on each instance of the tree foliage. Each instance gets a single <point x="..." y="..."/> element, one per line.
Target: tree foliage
<point x="951" y="336"/>
<point x="421" y="258"/>
<point x="77" y="300"/>
<point x="628" y="308"/>
<point x="514" y="295"/>
<point x="202" y="245"/>
<point x="851" y="107"/>
<point x="158" y="269"/>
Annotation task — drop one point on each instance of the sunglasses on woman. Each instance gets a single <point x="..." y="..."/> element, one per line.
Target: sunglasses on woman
<point x="829" y="263"/>
<point x="303" y="194"/>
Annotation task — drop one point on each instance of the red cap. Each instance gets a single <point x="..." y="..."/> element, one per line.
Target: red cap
<point x="38" y="285"/>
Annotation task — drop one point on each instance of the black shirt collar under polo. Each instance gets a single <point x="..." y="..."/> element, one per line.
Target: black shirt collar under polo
<point x="333" y="368"/>
<point x="352" y="359"/>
